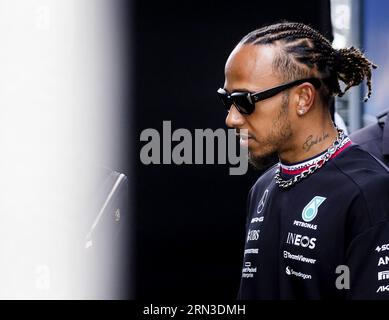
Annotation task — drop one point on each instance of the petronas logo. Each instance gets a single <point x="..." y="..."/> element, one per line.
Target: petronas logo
<point x="310" y="210"/>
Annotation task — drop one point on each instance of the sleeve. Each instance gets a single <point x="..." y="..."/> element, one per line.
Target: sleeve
<point x="367" y="252"/>
<point x="368" y="261"/>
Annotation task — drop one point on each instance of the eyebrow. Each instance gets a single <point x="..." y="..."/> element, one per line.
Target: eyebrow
<point x="239" y="90"/>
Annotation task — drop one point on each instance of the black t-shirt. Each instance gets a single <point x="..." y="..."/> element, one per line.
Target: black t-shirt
<point x="300" y="240"/>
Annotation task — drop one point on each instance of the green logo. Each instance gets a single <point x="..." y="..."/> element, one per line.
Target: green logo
<point x="310" y="210"/>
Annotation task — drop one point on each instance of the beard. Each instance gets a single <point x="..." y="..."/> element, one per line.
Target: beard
<point x="278" y="136"/>
<point x="263" y="162"/>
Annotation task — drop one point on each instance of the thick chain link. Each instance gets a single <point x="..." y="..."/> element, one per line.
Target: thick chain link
<point x="285" y="184"/>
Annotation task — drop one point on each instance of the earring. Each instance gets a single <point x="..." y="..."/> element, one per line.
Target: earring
<point x="301" y="112"/>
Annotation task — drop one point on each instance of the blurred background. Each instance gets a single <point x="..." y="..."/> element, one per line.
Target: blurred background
<point x="63" y="204"/>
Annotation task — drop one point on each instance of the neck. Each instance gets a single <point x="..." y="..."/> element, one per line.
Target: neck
<point x="309" y="141"/>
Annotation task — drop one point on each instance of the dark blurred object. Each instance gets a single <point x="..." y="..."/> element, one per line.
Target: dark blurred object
<point x="375" y="138"/>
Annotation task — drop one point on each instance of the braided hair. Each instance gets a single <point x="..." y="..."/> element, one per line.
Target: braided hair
<point x="304" y="52"/>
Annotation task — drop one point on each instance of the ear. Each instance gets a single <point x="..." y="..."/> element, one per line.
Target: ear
<point x="304" y="98"/>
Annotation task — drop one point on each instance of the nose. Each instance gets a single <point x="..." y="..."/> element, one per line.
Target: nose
<point x="234" y="118"/>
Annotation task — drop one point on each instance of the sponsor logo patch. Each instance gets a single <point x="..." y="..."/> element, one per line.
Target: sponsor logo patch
<point x="254" y="220"/>
<point x="383" y="275"/>
<point x="305" y="225"/>
<point x="252" y="235"/>
<point x="383" y="289"/>
<point x="290" y="272"/>
<point x="248" y="271"/>
<point x="310" y="210"/>
<point x="301" y="241"/>
<point x="299" y="257"/>
<point x="251" y="251"/>
<point x="384" y="247"/>
<point x="262" y="202"/>
<point x="383" y="261"/>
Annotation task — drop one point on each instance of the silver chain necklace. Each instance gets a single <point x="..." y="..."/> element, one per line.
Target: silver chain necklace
<point x="285" y="184"/>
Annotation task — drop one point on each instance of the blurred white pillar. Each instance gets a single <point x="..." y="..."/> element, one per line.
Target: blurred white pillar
<point x="60" y="91"/>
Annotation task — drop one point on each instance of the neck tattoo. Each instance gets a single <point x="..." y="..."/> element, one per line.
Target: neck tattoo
<point x="285" y="184"/>
<point x="311" y="141"/>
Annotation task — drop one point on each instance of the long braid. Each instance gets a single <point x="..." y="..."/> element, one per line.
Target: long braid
<point x="311" y="49"/>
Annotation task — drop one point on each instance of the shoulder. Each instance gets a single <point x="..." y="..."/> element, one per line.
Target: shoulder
<point x="370" y="180"/>
<point x="361" y="167"/>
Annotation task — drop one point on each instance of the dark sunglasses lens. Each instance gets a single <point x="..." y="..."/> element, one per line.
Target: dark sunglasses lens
<point x="242" y="103"/>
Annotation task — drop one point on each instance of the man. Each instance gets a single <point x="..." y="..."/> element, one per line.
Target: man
<point x="317" y="224"/>
<point x="375" y="138"/>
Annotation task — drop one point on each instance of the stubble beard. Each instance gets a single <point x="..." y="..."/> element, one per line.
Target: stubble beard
<point x="278" y="136"/>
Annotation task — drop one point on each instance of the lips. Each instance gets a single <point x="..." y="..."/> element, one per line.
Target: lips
<point x="243" y="134"/>
<point x="244" y="139"/>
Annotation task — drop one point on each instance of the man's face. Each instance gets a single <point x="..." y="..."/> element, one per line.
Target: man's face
<point x="249" y="68"/>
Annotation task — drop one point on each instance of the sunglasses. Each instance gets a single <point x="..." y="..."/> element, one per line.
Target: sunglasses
<point x="245" y="101"/>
